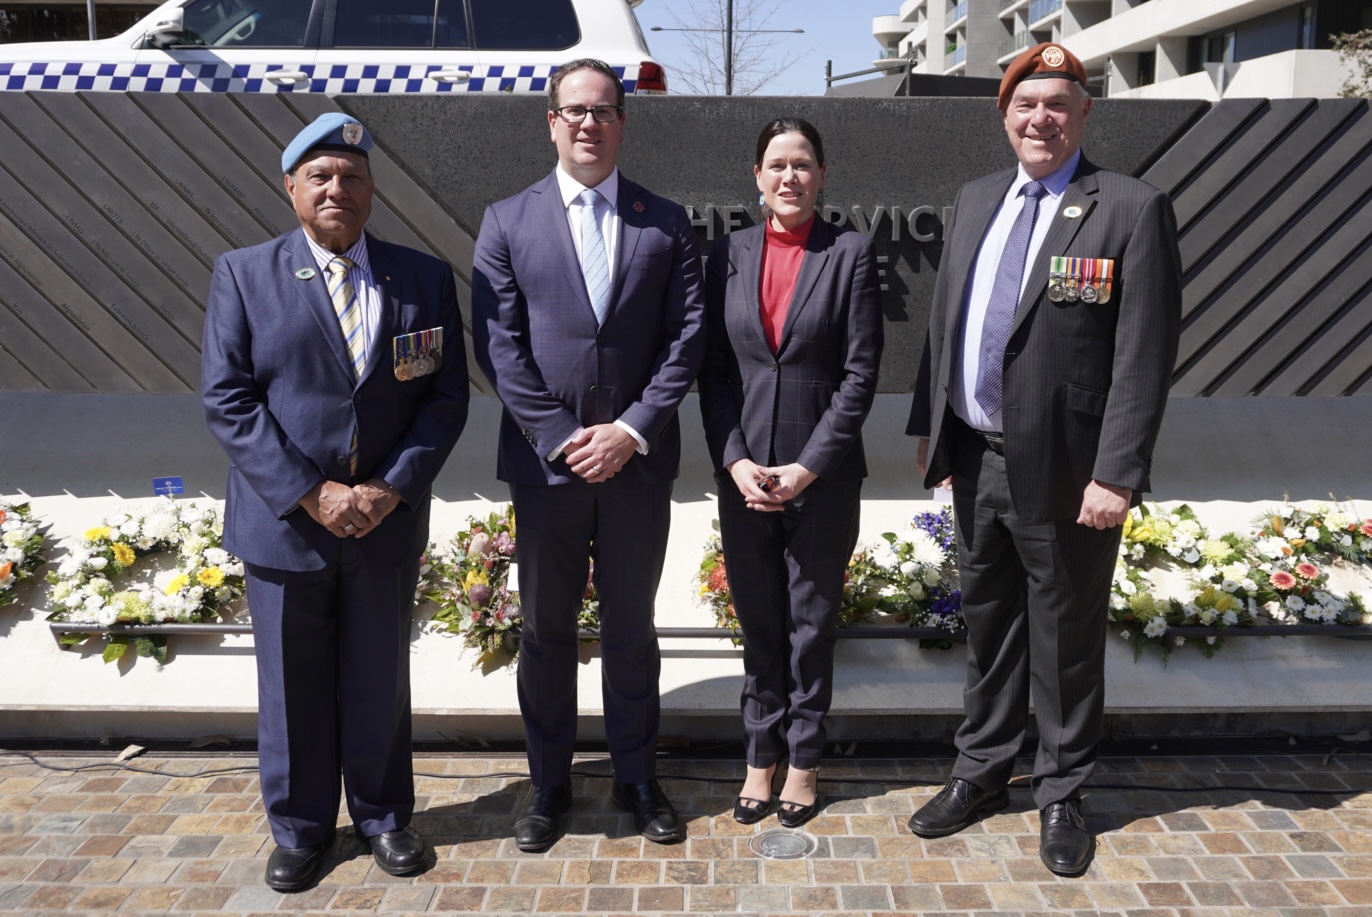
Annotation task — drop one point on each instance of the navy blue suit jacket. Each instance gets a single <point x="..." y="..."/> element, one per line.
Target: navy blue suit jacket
<point x="280" y="397"/>
<point x="807" y="402"/>
<point x="537" y="340"/>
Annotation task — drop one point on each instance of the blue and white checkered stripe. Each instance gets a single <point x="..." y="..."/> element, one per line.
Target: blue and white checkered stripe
<point x="329" y="78"/>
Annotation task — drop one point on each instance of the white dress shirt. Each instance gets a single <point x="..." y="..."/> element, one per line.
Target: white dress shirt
<point x="962" y="395"/>
<point x="610" y="226"/>
<point x="360" y="276"/>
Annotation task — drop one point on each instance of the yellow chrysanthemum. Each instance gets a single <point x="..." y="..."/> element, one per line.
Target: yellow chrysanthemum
<point x="123" y="554"/>
<point x="99" y="533"/>
<point x="178" y="582"/>
<point x="213" y="577"/>
<point x="476" y="577"/>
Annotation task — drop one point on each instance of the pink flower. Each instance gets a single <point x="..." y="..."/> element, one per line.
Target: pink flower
<point x="1283" y="580"/>
<point x="1308" y="570"/>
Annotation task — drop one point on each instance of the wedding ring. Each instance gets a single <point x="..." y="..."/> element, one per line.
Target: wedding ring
<point x="350" y="528"/>
<point x="595" y="469"/>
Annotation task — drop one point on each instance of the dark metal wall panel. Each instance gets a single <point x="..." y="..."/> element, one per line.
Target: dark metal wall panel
<point x="1275" y="227"/>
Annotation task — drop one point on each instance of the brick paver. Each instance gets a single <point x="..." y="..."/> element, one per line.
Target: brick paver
<point x="106" y="841"/>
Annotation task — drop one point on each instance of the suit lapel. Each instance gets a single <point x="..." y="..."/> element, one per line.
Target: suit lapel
<point x="631" y="211"/>
<point x="388" y="290"/>
<point x="811" y="266"/>
<point x="313" y="295"/>
<point x="969" y="229"/>
<point x="555" y="218"/>
<point x="747" y="260"/>
<point x="1080" y="193"/>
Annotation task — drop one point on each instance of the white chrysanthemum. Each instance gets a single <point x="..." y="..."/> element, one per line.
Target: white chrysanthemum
<point x="1118" y="602"/>
<point x="1273" y="547"/>
<point x="924" y="550"/>
<point x="233" y="569"/>
<point x="1139" y="550"/>
<point x="194" y="544"/>
<point x="1190" y="610"/>
<point x="14" y="554"/>
<point x="1336" y="520"/>
<point x="1155" y="627"/>
<point x="1295" y="602"/>
<point x="69" y="567"/>
<point x="1207" y="572"/>
<point x="1230" y="618"/>
<point x="1312" y="533"/>
<point x="217" y="557"/>
<point x="1128" y="588"/>
<point x="1126" y="635"/>
<point x="74" y="600"/>
<point x="1178" y="641"/>
<point x="159" y="527"/>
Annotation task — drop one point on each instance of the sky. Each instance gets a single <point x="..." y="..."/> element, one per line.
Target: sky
<point x="837" y="30"/>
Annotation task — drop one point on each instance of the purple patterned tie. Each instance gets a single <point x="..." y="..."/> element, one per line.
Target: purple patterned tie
<point x="1005" y="294"/>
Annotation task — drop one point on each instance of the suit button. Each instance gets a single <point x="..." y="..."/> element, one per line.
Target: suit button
<point x="342" y="460"/>
<point x="592" y="389"/>
<point x="772" y="367"/>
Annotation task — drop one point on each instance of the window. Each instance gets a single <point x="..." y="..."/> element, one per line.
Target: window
<point x="524" y="25"/>
<point x="246" y="23"/>
<point x="401" y="24"/>
<point x="1148" y="64"/>
<point x="1219" y="49"/>
<point x="1307" y="36"/>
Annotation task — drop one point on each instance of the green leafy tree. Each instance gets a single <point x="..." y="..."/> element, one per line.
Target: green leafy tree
<point x="1355" y="50"/>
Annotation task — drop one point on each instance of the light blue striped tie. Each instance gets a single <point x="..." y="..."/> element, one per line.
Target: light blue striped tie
<point x="595" y="265"/>
<point x="1004" y="301"/>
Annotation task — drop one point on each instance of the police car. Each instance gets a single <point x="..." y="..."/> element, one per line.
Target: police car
<point x="333" y="46"/>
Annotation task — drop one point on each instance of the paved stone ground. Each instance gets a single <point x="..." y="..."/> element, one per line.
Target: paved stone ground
<point x="193" y="841"/>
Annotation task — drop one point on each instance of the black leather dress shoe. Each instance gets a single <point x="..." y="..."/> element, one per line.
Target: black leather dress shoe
<point x="536" y="826"/>
<point x="749" y="811"/>
<point x="793" y="814"/>
<point x="653" y="814"/>
<point x="400" y="852"/>
<point x="1065" y="846"/>
<point x="957" y="805"/>
<point x="290" y="869"/>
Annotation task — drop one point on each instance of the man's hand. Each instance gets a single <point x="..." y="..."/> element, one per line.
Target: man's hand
<point x="1104" y="506"/>
<point x="597" y="453"/>
<point x="922" y="462"/>
<point x="374" y="499"/>
<point x="333" y="505"/>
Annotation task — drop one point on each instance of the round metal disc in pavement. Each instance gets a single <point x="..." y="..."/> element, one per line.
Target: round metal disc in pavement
<point x="783" y="845"/>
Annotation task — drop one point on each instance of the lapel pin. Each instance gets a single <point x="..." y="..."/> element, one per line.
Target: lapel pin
<point x="305" y="273"/>
<point x="638" y="206"/>
<point x="1072" y="212"/>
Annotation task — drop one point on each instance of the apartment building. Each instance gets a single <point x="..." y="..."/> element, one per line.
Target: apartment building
<point x="1206" y="49"/>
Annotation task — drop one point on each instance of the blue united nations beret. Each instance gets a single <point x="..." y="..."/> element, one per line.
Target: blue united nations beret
<point x="333" y="131"/>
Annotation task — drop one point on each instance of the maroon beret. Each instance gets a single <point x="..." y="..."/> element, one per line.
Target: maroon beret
<point x="1041" y="62"/>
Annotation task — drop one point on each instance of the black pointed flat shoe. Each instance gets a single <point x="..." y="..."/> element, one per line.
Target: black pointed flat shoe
<point x="793" y="814"/>
<point x="750" y="811"/>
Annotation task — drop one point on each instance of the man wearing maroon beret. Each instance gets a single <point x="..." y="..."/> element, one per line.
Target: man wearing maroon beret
<point x="1052" y="336"/>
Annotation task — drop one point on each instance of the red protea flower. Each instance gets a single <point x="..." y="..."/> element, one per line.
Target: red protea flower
<point x="732" y="613"/>
<point x="718" y="581"/>
<point x="1283" y="580"/>
<point x="1307" y="570"/>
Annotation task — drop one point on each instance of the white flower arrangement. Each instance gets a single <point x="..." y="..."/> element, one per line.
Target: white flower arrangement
<point x="919" y="570"/>
<point x="96" y="583"/>
<point x="22" y="547"/>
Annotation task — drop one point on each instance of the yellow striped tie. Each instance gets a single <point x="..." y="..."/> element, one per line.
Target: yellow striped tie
<point x="349" y="311"/>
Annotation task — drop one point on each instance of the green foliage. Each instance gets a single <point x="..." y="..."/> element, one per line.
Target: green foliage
<point x="1355" y="50"/>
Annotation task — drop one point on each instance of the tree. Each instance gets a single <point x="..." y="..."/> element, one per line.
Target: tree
<point x="759" y="57"/>
<point x="1355" y="50"/>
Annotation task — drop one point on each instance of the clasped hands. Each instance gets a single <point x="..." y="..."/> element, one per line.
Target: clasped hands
<point x="782" y="483"/>
<point x="598" y="452"/>
<point x="350" y="512"/>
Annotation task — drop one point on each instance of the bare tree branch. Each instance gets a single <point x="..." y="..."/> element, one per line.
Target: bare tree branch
<point x="759" y="57"/>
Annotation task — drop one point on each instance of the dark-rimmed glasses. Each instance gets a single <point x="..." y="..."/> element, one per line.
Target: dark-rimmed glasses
<point x="575" y="114"/>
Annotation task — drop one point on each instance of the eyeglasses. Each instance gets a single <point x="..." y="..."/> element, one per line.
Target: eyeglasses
<point x="575" y="114"/>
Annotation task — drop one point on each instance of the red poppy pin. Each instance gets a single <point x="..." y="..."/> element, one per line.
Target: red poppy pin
<point x="638" y="206"/>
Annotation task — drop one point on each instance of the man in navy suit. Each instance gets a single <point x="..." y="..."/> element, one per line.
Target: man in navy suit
<point x="1052" y="335"/>
<point x="333" y="444"/>
<point x="586" y="317"/>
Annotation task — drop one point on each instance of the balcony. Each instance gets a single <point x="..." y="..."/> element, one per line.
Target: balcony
<point x="888" y="30"/>
<point x="955" y="57"/>
<point x="959" y="13"/>
<point x="1015" y="45"/>
<point x="1007" y="5"/>
<point x="1042" y="9"/>
<point x="909" y="8"/>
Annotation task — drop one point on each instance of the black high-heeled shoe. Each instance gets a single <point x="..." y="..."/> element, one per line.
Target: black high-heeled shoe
<point x="798" y="814"/>
<point x="746" y="814"/>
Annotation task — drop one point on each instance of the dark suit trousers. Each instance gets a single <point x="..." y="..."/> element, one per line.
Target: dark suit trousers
<point x="333" y="689"/>
<point x="785" y="574"/>
<point x="1035" y="597"/>
<point x="621" y="526"/>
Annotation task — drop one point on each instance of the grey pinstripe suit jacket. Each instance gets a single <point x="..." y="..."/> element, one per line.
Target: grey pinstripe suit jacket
<point x="1085" y="385"/>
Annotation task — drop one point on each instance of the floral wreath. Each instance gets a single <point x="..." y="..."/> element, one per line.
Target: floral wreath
<point x="94" y="583"/>
<point x="919" y="567"/>
<point x="1236" y="581"/>
<point x="468" y="578"/>
<point x="22" y="548"/>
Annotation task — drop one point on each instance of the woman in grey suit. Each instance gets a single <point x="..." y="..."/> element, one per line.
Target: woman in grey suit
<point x="794" y="332"/>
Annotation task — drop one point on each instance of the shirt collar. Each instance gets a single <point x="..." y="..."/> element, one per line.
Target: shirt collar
<point x="571" y="188"/>
<point x="357" y="254"/>
<point x="1056" y="181"/>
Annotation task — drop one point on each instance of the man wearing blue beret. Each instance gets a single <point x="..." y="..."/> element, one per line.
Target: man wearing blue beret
<point x="335" y="378"/>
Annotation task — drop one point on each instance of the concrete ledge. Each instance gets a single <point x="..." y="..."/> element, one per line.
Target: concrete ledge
<point x="80" y="457"/>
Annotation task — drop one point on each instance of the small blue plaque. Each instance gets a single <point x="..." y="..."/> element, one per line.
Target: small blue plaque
<point x="167" y="486"/>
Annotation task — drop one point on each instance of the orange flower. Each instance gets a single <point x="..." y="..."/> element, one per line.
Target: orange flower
<point x="2" y="516"/>
<point x="1283" y="580"/>
<point x="1367" y="528"/>
<point x="1277" y="524"/>
<point x="6" y="568"/>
